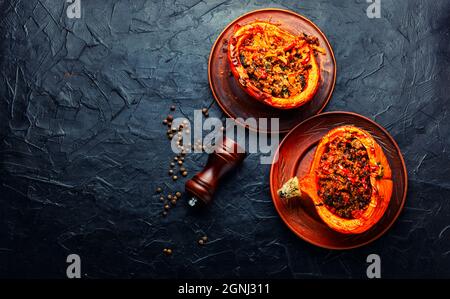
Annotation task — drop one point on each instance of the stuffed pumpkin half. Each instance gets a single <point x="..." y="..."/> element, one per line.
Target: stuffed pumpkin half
<point x="349" y="182"/>
<point x="275" y="66"/>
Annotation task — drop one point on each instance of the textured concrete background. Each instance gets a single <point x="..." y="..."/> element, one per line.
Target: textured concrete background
<point x="83" y="149"/>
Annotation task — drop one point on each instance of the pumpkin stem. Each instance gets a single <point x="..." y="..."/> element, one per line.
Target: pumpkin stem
<point x="290" y="189"/>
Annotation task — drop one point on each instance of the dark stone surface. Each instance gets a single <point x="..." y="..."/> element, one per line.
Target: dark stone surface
<point x="83" y="149"/>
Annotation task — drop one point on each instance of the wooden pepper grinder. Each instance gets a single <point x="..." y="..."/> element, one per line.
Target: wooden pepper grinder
<point x="225" y="158"/>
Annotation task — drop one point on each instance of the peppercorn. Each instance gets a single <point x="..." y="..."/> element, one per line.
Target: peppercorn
<point x="201" y="242"/>
<point x="165" y="122"/>
<point x="172" y="164"/>
<point x="180" y="162"/>
<point x="169" y="117"/>
<point x="173" y="202"/>
<point x="174" y="177"/>
<point x="166" y="207"/>
<point x="159" y="190"/>
<point x="164" y="213"/>
<point x="169" y="196"/>
<point x="161" y="198"/>
<point x="178" y="194"/>
<point x="185" y="173"/>
<point x="170" y="172"/>
<point x="170" y="136"/>
<point x="172" y="107"/>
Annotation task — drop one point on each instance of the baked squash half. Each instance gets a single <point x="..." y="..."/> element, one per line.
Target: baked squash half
<point x="273" y="65"/>
<point x="350" y="181"/>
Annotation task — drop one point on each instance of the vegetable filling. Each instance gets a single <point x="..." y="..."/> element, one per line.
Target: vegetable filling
<point x="344" y="177"/>
<point x="277" y="66"/>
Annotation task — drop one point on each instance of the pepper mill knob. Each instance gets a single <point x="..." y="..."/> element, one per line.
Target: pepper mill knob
<point x="227" y="155"/>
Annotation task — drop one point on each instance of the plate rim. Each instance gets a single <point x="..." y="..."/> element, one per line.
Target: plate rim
<point x="216" y="98"/>
<point x="405" y="187"/>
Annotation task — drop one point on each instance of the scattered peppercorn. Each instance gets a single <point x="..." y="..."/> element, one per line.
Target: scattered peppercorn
<point x="166" y="207"/>
<point x="164" y="213"/>
<point x="201" y="242"/>
<point x="169" y="117"/>
<point x="161" y="198"/>
<point x="170" y="171"/>
<point x="169" y="196"/>
<point x="159" y="189"/>
<point x="170" y="136"/>
<point x="180" y="162"/>
<point x="178" y="194"/>
<point x="185" y="173"/>
<point x="174" y="177"/>
<point x="165" y="122"/>
<point x="173" y="202"/>
<point x="172" y="107"/>
<point x="175" y="158"/>
<point x="167" y="251"/>
<point x="172" y="164"/>
<point x="205" y="238"/>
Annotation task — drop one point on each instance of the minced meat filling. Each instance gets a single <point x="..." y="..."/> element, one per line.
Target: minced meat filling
<point x="344" y="177"/>
<point x="274" y="66"/>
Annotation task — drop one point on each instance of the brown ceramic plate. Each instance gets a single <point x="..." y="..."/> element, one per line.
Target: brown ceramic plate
<point x="238" y="104"/>
<point x="295" y="154"/>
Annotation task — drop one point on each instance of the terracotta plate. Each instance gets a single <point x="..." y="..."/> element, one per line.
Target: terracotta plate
<point x="237" y="104"/>
<point x="295" y="154"/>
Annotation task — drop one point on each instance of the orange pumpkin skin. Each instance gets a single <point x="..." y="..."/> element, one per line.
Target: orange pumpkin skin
<point x="381" y="184"/>
<point x="241" y="33"/>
